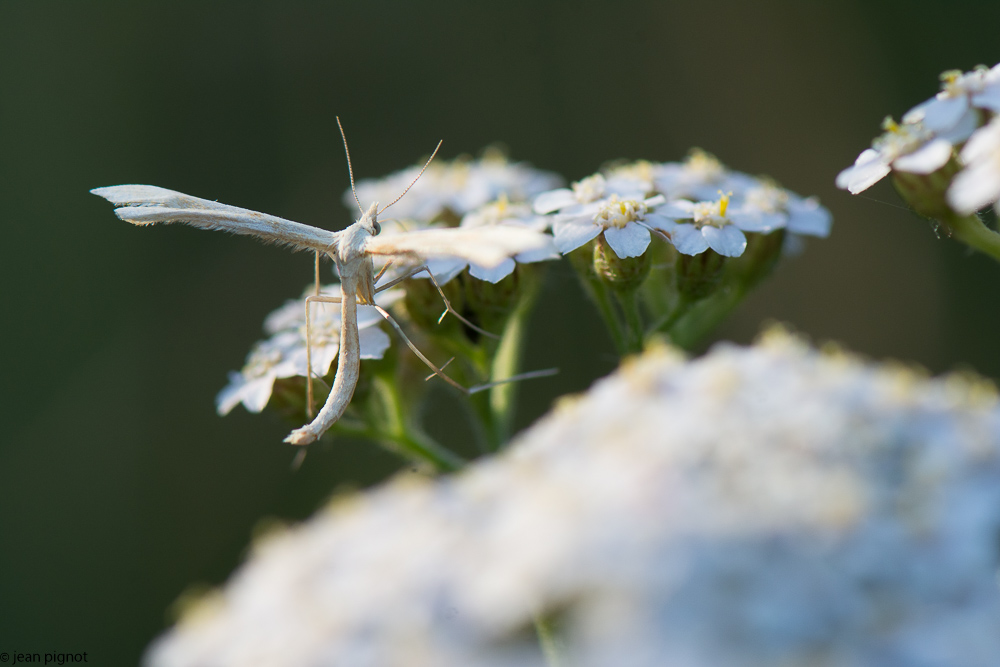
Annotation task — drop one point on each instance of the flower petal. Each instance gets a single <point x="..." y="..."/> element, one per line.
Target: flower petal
<point x="926" y="159"/>
<point x="963" y="129"/>
<point x="678" y="209"/>
<point x="975" y="187"/>
<point x="230" y="396"/>
<point x="494" y="274"/>
<point x="688" y="240"/>
<point x="628" y="241"/>
<point x="373" y="343"/>
<point x="553" y="200"/>
<point x="870" y="168"/>
<point x="808" y="217"/>
<point x="538" y="255"/>
<point x="985" y="142"/>
<point x="757" y="221"/>
<point x="444" y="269"/>
<point x="938" y="114"/>
<point x="989" y="98"/>
<point x="571" y="235"/>
<point x="728" y="241"/>
<point x="657" y="221"/>
<point x="257" y="392"/>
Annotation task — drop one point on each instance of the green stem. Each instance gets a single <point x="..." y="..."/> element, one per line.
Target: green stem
<point x="547" y="639"/>
<point x="506" y="364"/>
<point x="692" y="324"/>
<point x="582" y="261"/>
<point x="395" y="428"/>
<point x="971" y="231"/>
<point x="599" y="293"/>
<point x="633" y="319"/>
<point x="679" y="310"/>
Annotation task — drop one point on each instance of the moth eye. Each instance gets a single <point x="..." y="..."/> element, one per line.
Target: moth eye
<point x="378" y="228"/>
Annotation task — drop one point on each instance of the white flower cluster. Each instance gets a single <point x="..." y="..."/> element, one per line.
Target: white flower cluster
<point x="697" y="204"/>
<point x="457" y="187"/>
<point x="283" y="355"/>
<point x="487" y="191"/>
<point x="965" y="111"/>
<point x="764" y="506"/>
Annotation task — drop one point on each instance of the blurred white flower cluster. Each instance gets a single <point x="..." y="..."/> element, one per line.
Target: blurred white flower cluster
<point x="962" y="116"/>
<point x="283" y="355"/>
<point x="696" y="205"/>
<point x="762" y="506"/>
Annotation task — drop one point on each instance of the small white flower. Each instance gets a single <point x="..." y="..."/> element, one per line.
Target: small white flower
<point x="911" y="147"/>
<point x="585" y="191"/>
<point x="712" y="225"/>
<point x="619" y="219"/>
<point x="960" y="95"/>
<point x="699" y="177"/>
<point x="766" y="207"/>
<point x="284" y="354"/>
<point x="458" y="186"/>
<point x="978" y="185"/>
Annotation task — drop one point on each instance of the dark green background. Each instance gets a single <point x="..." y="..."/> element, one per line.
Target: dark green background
<point x="120" y="487"/>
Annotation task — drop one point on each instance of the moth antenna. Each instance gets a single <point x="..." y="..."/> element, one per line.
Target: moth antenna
<point x="350" y="169"/>
<point x="426" y="164"/>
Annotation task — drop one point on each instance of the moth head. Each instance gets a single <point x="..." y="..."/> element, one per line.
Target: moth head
<point x="370" y="220"/>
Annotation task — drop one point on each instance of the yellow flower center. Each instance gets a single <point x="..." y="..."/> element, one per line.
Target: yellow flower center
<point x="705" y="165"/>
<point x="712" y="212"/>
<point x="619" y="212"/>
<point x="768" y="198"/>
<point x="589" y="189"/>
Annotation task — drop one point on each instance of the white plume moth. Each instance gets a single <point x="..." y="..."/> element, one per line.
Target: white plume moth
<point x="351" y="250"/>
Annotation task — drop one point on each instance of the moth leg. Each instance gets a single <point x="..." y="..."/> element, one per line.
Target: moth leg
<point x="317" y="273"/>
<point x="440" y="371"/>
<point x="381" y="272"/>
<point x="447" y="304"/>
<point x="420" y="355"/>
<point x="318" y="298"/>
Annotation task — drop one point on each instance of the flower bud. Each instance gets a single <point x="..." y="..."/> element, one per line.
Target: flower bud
<point x="490" y="304"/>
<point x="622" y="275"/>
<point x="698" y="276"/>
<point x="424" y="305"/>
<point x="925" y="193"/>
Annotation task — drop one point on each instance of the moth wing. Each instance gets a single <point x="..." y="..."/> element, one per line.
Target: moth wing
<point x="147" y="205"/>
<point x="485" y="246"/>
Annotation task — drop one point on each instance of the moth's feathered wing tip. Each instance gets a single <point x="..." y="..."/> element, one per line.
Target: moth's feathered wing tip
<point x="123" y="195"/>
<point x="106" y="192"/>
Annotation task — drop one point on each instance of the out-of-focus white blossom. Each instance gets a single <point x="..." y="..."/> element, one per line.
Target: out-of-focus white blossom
<point x="700" y="177"/>
<point x="755" y="507"/>
<point x="961" y="94"/>
<point x="634" y="177"/>
<point x="910" y="147"/>
<point x="767" y="206"/>
<point x="283" y="355"/>
<point x="458" y="186"/>
<point x="978" y="184"/>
